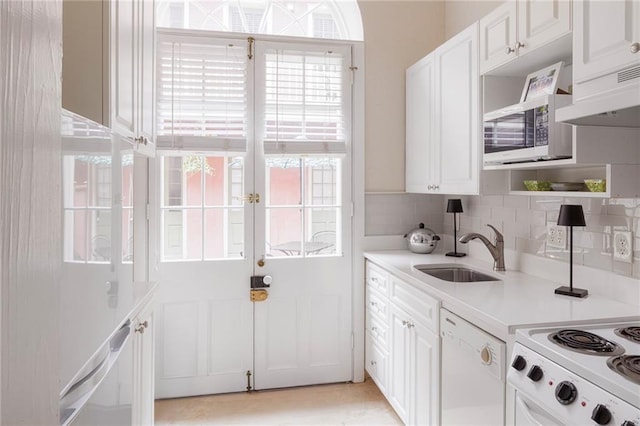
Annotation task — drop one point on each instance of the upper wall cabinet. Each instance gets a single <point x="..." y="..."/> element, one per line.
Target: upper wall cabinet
<point x="421" y="173"/>
<point x="443" y="111"/>
<point x="108" y="66"/>
<point x="518" y="27"/>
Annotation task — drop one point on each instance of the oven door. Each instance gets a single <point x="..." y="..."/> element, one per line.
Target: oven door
<point x="528" y="413"/>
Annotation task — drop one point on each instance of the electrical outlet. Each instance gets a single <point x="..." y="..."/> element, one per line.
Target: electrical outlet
<point x="623" y="246"/>
<point x="556" y="236"/>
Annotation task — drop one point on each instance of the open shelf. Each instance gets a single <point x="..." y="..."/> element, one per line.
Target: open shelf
<point x="621" y="180"/>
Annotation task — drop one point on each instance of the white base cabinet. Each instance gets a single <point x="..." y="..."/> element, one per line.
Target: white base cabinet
<point x="143" y="367"/>
<point x="403" y="353"/>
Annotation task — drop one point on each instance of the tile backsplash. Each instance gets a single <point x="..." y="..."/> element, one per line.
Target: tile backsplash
<point x="522" y="220"/>
<point x="397" y="214"/>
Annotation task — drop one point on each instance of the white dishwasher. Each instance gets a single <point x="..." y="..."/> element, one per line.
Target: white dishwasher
<point x="473" y="374"/>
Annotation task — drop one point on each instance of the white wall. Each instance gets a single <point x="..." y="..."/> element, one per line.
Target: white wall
<point x="30" y="218"/>
<point x="396" y="34"/>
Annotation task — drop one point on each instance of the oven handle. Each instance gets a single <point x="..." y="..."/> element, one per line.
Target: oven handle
<point x="532" y="417"/>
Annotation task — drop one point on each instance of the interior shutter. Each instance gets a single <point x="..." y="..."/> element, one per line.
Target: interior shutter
<point x="305" y="100"/>
<point x="202" y="94"/>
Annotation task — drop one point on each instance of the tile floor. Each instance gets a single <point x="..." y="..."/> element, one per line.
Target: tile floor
<point x="336" y="404"/>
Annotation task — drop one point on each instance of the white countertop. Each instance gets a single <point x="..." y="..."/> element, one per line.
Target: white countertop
<point x="499" y="307"/>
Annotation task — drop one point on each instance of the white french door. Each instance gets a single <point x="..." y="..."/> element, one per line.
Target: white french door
<point x="272" y="199"/>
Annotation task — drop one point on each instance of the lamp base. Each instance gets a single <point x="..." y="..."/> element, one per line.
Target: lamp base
<point x="454" y="254"/>
<point x="567" y="291"/>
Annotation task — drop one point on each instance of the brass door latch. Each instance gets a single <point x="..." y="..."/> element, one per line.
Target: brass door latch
<point x="258" y="295"/>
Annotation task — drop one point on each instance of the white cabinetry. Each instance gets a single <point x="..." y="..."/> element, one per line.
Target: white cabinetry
<point x="606" y="41"/>
<point x="108" y="66"/>
<point x="458" y="113"/>
<point x="143" y="367"/>
<point x="403" y="355"/>
<point x="421" y="170"/>
<point x="443" y="119"/>
<point x="516" y="28"/>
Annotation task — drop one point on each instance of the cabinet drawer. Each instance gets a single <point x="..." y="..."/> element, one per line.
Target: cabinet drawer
<point x="376" y="363"/>
<point x="419" y="305"/>
<point x="377" y="305"/>
<point x="377" y="278"/>
<point x="378" y="330"/>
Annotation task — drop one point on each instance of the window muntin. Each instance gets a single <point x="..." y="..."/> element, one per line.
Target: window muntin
<point x="89" y="222"/>
<point x="329" y="19"/>
<point x="302" y="206"/>
<point x="202" y="215"/>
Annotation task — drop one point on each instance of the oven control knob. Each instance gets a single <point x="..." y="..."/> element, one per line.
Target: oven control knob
<point x="566" y="393"/>
<point x="601" y="415"/>
<point x="628" y="423"/>
<point x="519" y="363"/>
<point x="535" y="373"/>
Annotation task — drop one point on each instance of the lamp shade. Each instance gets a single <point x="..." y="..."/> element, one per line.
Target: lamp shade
<point x="454" y="206"/>
<point x="571" y="215"/>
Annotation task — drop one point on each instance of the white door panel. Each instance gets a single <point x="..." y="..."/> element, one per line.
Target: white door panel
<point x="300" y="228"/>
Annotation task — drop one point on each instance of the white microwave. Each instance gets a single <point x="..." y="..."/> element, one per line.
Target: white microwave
<point x="527" y="132"/>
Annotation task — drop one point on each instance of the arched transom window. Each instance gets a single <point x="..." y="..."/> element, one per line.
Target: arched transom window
<point x="327" y="19"/>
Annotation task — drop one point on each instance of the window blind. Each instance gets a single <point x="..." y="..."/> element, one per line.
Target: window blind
<point x="202" y="94"/>
<point x="304" y="101"/>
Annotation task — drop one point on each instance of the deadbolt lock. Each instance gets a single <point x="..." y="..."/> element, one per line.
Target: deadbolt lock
<point x="261" y="263"/>
<point x="259" y="295"/>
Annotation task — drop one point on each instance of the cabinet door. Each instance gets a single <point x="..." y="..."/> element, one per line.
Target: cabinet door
<point x="146" y="64"/>
<point x="400" y="367"/>
<point x="123" y="78"/>
<point x="542" y="21"/>
<point x="604" y="35"/>
<point x="376" y="363"/>
<point x="426" y="375"/>
<point x="143" y="388"/>
<point x="419" y="165"/>
<point x="457" y="98"/>
<point x="498" y="35"/>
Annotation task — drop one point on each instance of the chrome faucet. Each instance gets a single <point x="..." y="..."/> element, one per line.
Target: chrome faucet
<point x="496" y="250"/>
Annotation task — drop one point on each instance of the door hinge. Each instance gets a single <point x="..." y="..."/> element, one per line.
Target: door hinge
<point x="147" y="212"/>
<point x="250" y="40"/>
<point x="249" y="381"/>
<point x="352" y="209"/>
<point x="353" y="341"/>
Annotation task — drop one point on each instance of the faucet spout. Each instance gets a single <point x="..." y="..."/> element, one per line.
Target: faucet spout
<point x="496" y="249"/>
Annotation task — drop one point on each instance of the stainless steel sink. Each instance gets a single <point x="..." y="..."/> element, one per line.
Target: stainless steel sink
<point x="455" y="273"/>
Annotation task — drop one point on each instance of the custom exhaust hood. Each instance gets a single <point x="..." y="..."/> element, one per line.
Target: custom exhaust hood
<point x="610" y="100"/>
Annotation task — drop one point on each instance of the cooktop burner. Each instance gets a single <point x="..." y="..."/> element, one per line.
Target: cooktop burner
<point x="585" y="342"/>
<point x="629" y="333"/>
<point x="626" y="365"/>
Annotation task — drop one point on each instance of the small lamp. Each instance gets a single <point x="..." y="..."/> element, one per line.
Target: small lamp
<point x="571" y="215"/>
<point x="455" y="206"/>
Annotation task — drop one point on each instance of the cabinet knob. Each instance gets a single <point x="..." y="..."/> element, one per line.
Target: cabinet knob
<point x="519" y="45"/>
<point x="372" y="362"/>
<point x="635" y="47"/>
<point x="509" y="50"/>
<point x="410" y="324"/>
<point x="142" y="326"/>
<point x="436" y="187"/>
<point x="429" y="187"/>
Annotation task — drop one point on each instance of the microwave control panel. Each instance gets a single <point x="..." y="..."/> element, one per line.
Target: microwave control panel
<point x="542" y="125"/>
